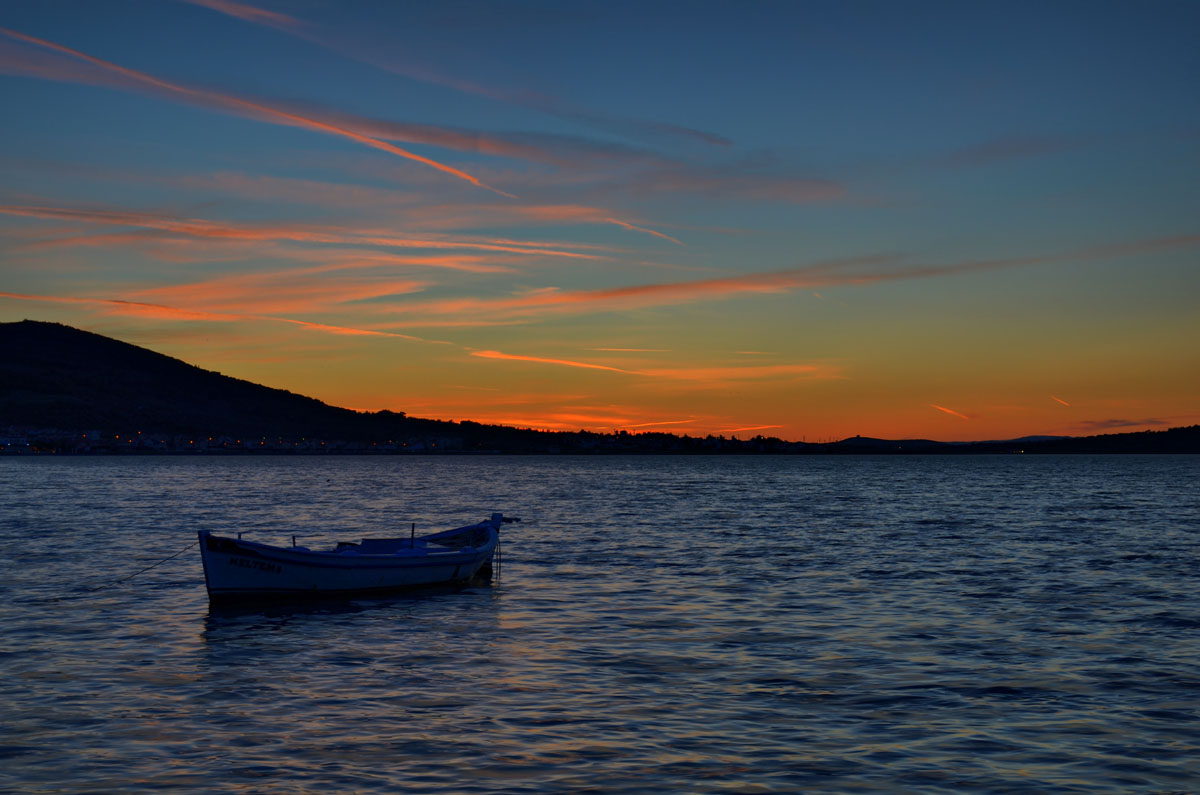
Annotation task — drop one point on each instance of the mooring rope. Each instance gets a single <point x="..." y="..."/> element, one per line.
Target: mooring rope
<point x="141" y="571"/>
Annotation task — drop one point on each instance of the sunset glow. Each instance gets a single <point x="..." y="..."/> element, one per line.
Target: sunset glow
<point x="772" y="221"/>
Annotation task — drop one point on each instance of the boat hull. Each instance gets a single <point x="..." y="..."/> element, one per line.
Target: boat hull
<point x="239" y="571"/>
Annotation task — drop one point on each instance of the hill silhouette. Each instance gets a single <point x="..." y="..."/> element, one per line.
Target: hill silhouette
<point x="56" y="377"/>
<point x="69" y="390"/>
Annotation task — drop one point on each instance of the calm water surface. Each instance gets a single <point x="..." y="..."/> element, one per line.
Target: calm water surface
<point x="925" y="624"/>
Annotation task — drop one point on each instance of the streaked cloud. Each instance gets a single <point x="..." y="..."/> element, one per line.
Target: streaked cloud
<point x="746" y="182"/>
<point x="626" y="297"/>
<point x="292" y="190"/>
<point x="1097" y="426"/>
<point x="163" y="312"/>
<point x="295" y="290"/>
<point x="636" y="228"/>
<point x="726" y="374"/>
<point x="951" y="412"/>
<point x="1059" y="400"/>
<point x="543" y="360"/>
<point x="126" y="78"/>
<point x="850" y="271"/>
<point x="358" y="49"/>
<point x="303" y="233"/>
<point x="676" y="373"/>
<point x="250" y="13"/>
<point x="749" y="428"/>
<point x="1011" y="148"/>
<point x="659" y="423"/>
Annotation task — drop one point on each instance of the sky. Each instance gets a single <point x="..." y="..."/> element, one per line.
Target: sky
<point x="808" y="220"/>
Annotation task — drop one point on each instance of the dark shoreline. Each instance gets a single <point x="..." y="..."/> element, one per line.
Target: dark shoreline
<point x="67" y="391"/>
<point x="1176" y="441"/>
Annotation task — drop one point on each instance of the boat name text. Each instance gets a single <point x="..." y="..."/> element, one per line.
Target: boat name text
<point x="256" y="564"/>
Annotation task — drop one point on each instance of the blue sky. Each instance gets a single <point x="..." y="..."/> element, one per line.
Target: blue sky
<point x="803" y="219"/>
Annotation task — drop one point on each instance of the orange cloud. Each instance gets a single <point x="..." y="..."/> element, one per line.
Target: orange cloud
<point x="1059" y="400"/>
<point x="541" y="360"/>
<point x="551" y="300"/>
<point x="660" y="423"/>
<point x="951" y="412"/>
<point x="750" y="428"/>
<point x="702" y="374"/>
<point x="237" y="105"/>
<point x="160" y="311"/>
<point x="852" y="271"/>
<point x="198" y="228"/>
<point x="744" y="373"/>
<point x="287" y="291"/>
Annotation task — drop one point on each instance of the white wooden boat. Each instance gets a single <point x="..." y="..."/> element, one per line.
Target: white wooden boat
<point x="237" y="570"/>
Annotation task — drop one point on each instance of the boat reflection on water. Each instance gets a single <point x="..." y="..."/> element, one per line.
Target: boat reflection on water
<point x="310" y="632"/>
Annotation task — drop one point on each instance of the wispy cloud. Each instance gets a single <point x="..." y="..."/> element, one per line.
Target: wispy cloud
<point x="303" y="233"/>
<point x="1059" y="400"/>
<point x="636" y="228"/>
<point x="951" y="412"/>
<point x="1111" y="424"/>
<point x="850" y="271"/>
<point x="291" y="190"/>
<point x="659" y="423"/>
<point x="607" y="299"/>
<point x="294" y="290"/>
<point x="726" y="374"/>
<point x="750" y="428"/>
<point x="462" y="216"/>
<point x="543" y="360"/>
<point x="746" y="182"/>
<point x="715" y="374"/>
<point x="1012" y="148"/>
<point x="163" y="312"/>
<point x="357" y="49"/>
<point x="251" y="13"/>
<point x="632" y="350"/>
<point x="126" y="78"/>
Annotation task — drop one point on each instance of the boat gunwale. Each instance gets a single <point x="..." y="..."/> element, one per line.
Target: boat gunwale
<point x="340" y="560"/>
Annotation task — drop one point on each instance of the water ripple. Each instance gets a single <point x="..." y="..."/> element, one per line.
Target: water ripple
<point x="975" y="624"/>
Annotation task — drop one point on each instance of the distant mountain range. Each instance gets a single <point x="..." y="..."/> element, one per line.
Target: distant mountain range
<point x="70" y="391"/>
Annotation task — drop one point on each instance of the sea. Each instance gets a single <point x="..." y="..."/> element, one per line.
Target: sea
<point x="842" y="624"/>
